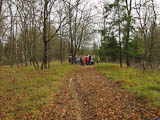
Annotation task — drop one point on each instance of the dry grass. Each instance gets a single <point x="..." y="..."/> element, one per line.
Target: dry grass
<point x="145" y="85"/>
<point x="23" y="90"/>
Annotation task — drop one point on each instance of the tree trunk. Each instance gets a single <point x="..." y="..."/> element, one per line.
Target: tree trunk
<point x="127" y="44"/>
<point x="144" y="63"/>
<point x="45" y="54"/>
<point x="120" y="44"/>
<point x="1" y="8"/>
<point x="120" y="55"/>
<point x="61" y="47"/>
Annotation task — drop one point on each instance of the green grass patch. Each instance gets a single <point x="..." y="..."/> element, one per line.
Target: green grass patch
<point x="145" y="85"/>
<point x="23" y="90"/>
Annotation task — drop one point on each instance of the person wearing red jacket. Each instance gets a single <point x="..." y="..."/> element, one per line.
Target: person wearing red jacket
<point x="87" y="60"/>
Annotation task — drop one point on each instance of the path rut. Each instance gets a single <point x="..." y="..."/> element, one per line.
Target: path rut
<point x="89" y="95"/>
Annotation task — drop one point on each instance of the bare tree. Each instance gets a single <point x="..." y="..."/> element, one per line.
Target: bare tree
<point x="128" y="6"/>
<point x="79" y="20"/>
<point x="47" y="10"/>
<point x="147" y="19"/>
<point x="153" y="28"/>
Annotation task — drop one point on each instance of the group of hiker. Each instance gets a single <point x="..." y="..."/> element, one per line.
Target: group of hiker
<point x="83" y="60"/>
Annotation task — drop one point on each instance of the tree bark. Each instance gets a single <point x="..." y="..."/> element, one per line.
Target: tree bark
<point x="120" y="44"/>
<point x="1" y="2"/>
<point x="129" y="9"/>
<point x="45" y="54"/>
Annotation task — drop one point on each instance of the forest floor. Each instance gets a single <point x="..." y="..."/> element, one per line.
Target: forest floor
<point x="89" y="95"/>
<point x="84" y="94"/>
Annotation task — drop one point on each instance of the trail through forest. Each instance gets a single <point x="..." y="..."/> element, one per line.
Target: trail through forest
<point x="89" y="95"/>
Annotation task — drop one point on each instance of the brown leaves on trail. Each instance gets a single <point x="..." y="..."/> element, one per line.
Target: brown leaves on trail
<point x="89" y="95"/>
<point x="106" y="100"/>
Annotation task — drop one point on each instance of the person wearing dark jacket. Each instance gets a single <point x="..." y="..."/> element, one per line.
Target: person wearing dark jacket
<point x="90" y="60"/>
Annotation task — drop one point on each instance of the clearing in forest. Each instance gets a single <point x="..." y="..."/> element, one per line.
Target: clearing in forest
<point x="85" y="94"/>
<point x="90" y="95"/>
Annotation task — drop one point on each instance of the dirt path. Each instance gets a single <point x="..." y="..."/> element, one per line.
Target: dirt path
<point x="89" y="95"/>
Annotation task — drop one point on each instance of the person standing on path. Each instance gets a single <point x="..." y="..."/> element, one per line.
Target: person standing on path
<point x="90" y="60"/>
<point x="84" y="60"/>
<point x="87" y="60"/>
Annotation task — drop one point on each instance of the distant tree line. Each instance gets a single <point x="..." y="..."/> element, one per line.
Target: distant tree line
<point x="35" y="32"/>
<point x="131" y="33"/>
